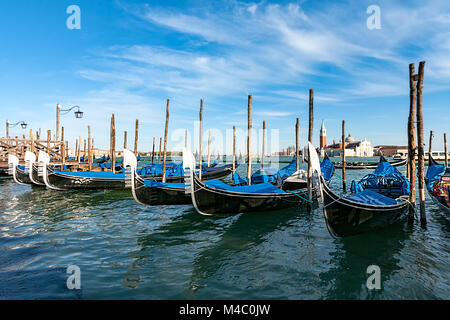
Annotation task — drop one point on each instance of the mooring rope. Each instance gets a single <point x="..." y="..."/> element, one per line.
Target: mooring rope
<point x="292" y="192"/>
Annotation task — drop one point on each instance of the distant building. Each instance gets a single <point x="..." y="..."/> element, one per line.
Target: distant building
<point x="390" y="151"/>
<point x="353" y="148"/>
<point x="323" y="136"/>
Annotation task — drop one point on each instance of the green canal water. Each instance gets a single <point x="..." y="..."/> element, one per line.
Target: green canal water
<point x="127" y="251"/>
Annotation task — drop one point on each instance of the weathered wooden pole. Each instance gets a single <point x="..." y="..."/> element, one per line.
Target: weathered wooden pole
<point x="7" y="129"/>
<point x="430" y="145"/>
<point x="249" y="141"/>
<point x="344" y="186"/>
<point x="49" y="134"/>
<point x="113" y="143"/>
<point x="79" y="149"/>
<point x="234" y="149"/>
<point x="136" y="135"/>
<point x="62" y="148"/>
<point x="200" y="140"/>
<point x="89" y="149"/>
<point x="412" y="141"/>
<point x="84" y="151"/>
<point x="153" y="150"/>
<point x="297" y="153"/>
<point x="165" y="142"/>
<point x="209" y="148"/>
<point x="310" y="138"/>
<point x="445" y="150"/>
<point x="31" y="141"/>
<point x="421" y="143"/>
<point x="159" y="153"/>
<point x="125" y="140"/>
<point x="58" y="110"/>
<point x="76" y="149"/>
<point x="263" y="145"/>
<point x="39" y="136"/>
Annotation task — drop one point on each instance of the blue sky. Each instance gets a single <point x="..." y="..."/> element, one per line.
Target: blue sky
<point x="130" y="56"/>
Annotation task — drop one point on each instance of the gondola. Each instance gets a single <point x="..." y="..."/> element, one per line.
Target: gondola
<point x="150" y="192"/>
<point x="18" y="173"/>
<point x="438" y="184"/>
<point x="4" y="172"/>
<point x="215" y="197"/>
<point x="366" y="210"/>
<point x="361" y="166"/>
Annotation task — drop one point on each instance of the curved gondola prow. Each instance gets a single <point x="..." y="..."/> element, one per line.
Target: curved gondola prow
<point x="316" y="177"/>
<point x="13" y="163"/>
<point x="43" y="162"/>
<point x="129" y="167"/>
<point x="30" y="159"/>
<point x="189" y="177"/>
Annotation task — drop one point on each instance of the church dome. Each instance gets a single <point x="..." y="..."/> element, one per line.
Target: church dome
<point x="349" y="139"/>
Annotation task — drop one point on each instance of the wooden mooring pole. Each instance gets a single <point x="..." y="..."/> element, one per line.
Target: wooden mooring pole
<point x="430" y="145"/>
<point x="263" y="145"/>
<point x="412" y="142"/>
<point x="113" y="143"/>
<point x="165" y="143"/>
<point x="125" y="140"/>
<point x="344" y="186"/>
<point x="297" y="151"/>
<point x="421" y="143"/>
<point x="249" y="141"/>
<point x="7" y="129"/>
<point x="159" y="153"/>
<point x="58" y="110"/>
<point x="49" y="135"/>
<point x="136" y="136"/>
<point x="62" y="149"/>
<point x="200" y="140"/>
<point x="153" y="150"/>
<point x="89" y="149"/>
<point x="234" y="150"/>
<point x="445" y="150"/>
<point x="310" y="138"/>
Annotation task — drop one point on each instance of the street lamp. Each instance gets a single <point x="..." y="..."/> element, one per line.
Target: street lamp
<point x="21" y="123"/>
<point x="78" y="113"/>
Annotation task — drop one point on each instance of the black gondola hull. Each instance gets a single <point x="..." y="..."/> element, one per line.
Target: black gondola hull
<point x="210" y="201"/>
<point x="211" y="174"/>
<point x="348" y="218"/>
<point x="153" y="196"/>
<point x="397" y="163"/>
<point x="63" y="181"/>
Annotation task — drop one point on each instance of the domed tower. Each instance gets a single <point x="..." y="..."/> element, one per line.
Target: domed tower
<point x="323" y="136"/>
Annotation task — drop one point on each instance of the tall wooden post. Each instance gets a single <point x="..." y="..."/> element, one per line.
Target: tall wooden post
<point x="200" y="140"/>
<point x="153" y="150"/>
<point x="62" y="148"/>
<point x="430" y="145"/>
<point x="209" y="148"/>
<point x="49" y="135"/>
<point x="234" y="149"/>
<point x="165" y="143"/>
<point x="84" y="151"/>
<point x="297" y="153"/>
<point x="159" y="153"/>
<point x="31" y="141"/>
<point x="113" y="143"/>
<point x="249" y="141"/>
<point x="263" y="145"/>
<point x="125" y="140"/>
<point x="58" y="110"/>
<point x="310" y="138"/>
<point x="421" y="143"/>
<point x="79" y="149"/>
<point x="76" y="149"/>
<point x="7" y="129"/>
<point x="445" y="150"/>
<point x="89" y="149"/>
<point x="39" y="136"/>
<point x="412" y="141"/>
<point x="136" y="135"/>
<point x="344" y="162"/>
